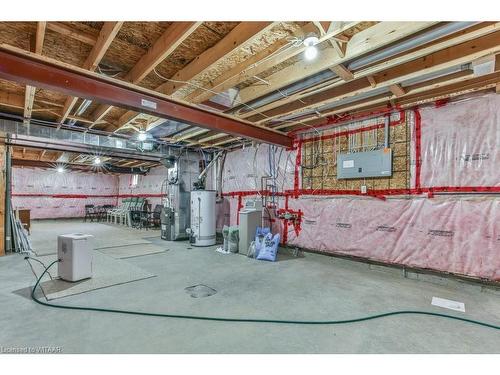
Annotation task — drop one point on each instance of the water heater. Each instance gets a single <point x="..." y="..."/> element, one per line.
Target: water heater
<point x="203" y="217"/>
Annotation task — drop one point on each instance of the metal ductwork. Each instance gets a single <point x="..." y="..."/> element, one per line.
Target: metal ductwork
<point x="416" y="41"/>
<point x="384" y="53"/>
<point x="125" y="170"/>
<point x="290" y="90"/>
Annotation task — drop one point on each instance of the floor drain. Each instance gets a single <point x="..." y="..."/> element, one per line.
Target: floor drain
<point x="200" y="291"/>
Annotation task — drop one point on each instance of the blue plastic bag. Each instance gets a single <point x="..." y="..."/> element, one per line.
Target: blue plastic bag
<point x="260" y="234"/>
<point x="269" y="248"/>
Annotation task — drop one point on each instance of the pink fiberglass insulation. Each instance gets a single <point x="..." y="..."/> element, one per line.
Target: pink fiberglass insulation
<point x="457" y="234"/>
<point x="460" y="143"/>
<point x="149" y="184"/>
<point x="461" y="236"/>
<point x="35" y="189"/>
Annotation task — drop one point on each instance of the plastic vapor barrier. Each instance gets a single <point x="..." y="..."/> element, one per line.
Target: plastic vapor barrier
<point x="460" y="143"/>
<point x="244" y="169"/>
<point x="461" y="236"/>
<point x="148" y="186"/>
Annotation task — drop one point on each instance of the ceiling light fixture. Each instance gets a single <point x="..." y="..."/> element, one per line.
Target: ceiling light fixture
<point x="60" y="169"/>
<point x="311" y="50"/>
<point x="97" y="161"/>
<point x="142" y="135"/>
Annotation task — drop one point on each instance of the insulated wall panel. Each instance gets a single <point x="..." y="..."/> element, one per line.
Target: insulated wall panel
<point x="243" y="169"/>
<point x="460" y="143"/>
<point x="458" y="147"/>
<point x="149" y="184"/>
<point x="35" y="189"/>
<point x="461" y="236"/>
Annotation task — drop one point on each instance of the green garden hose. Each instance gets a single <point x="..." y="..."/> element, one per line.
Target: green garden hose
<point x="250" y="320"/>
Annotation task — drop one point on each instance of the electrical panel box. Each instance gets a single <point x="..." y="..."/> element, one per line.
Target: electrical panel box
<point x="377" y="163"/>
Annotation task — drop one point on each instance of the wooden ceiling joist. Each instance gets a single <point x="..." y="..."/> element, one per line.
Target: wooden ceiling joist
<point x="397" y="90"/>
<point x="12" y="100"/>
<point x="69" y="32"/>
<point x="372" y="81"/>
<point x="228" y="78"/>
<point x="463" y="36"/>
<point x="238" y="37"/>
<point x="343" y="72"/>
<point x="166" y="44"/>
<point x="450" y="57"/>
<point x="40" y="36"/>
<point x="37" y="47"/>
<point x="172" y="38"/>
<point x="262" y="62"/>
<point x="28" y="102"/>
<point x="438" y="88"/>
<point x="372" y="38"/>
<point x="448" y="85"/>
<point x="23" y="67"/>
<point x="220" y="68"/>
<point x="106" y="36"/>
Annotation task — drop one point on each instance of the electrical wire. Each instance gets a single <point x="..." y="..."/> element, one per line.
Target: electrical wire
<point x="254" y="167"/>
<point x="108" y="75"/>
<point x="254" y="320"/>
<point x="235" y="100"/>
<point x="43" y="265"/>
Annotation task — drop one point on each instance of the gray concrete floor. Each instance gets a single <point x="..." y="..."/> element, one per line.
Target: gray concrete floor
<point x="313" y="287"/>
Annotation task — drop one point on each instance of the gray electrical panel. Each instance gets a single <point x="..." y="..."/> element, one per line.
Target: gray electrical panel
<point x="377" y="163"/>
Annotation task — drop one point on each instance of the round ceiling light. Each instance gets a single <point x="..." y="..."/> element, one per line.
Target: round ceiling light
<point x="311" y="50"/>
<point x="311" y="40"/>
<point x="310" y="53"/>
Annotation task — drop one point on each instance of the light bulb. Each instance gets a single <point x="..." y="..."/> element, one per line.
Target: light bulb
<point x="142" y="136"/>
<point x="97" y="161"/>
<point x="311" y="40"/>
<point x="311" y="52"/>
<point x="60" y="169"/>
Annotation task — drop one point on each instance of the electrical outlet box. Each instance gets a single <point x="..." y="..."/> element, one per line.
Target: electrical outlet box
<point x="377" y="163"/>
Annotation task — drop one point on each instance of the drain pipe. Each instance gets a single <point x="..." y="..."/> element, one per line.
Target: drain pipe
<point x="207" y="168"/>
<point x="220" y="171"/>
<point x="386" y="130"/>
<point x="8" y="197"/>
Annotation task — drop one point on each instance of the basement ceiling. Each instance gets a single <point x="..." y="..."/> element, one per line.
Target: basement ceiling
<point x="255" y="71"/>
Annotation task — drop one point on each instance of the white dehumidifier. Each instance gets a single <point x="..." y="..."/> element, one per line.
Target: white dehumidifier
<point x="75" y="254"/>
